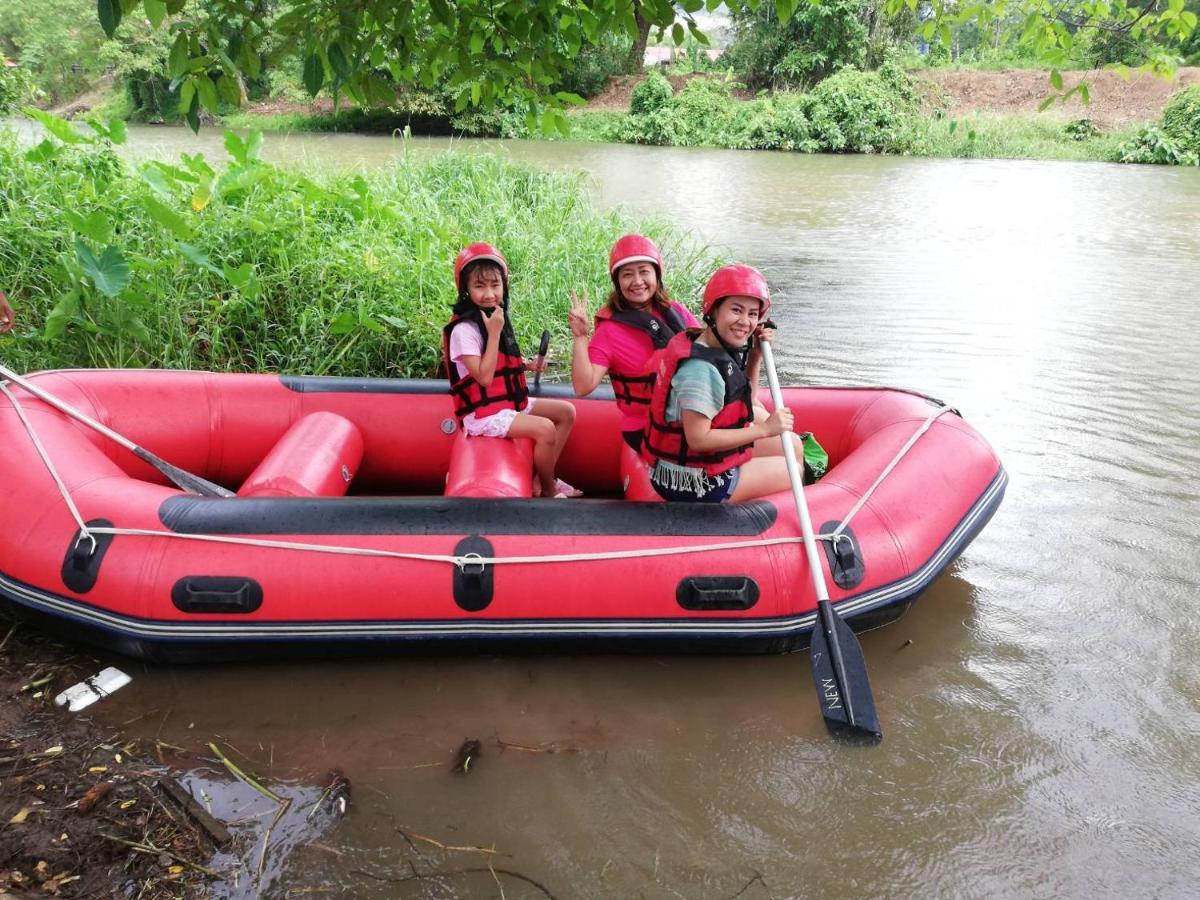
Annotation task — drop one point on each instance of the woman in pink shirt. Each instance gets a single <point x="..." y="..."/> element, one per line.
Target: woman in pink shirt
<point x="635" y="323"/>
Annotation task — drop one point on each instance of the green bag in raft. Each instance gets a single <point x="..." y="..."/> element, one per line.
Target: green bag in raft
<point x="816" y="460"/>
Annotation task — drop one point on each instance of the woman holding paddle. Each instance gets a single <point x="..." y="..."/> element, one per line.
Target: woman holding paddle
<point x="705" y="442"/>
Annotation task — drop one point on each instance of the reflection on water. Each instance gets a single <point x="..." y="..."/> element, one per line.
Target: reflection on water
<point x="1040" y="728"/>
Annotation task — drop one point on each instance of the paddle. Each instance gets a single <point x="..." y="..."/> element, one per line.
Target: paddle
<point x="186" y="480"/>
<point x="541" y="358"/>
<point x="839" y="670"/>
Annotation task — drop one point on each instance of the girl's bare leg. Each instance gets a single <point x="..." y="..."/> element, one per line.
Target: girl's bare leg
<point x="542" y="432"/>
<point x="562" y="414"/>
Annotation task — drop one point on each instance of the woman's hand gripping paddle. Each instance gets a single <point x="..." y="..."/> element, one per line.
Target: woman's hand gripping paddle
<point x="186" y="480"/>
<point x="540" y="362"/>
<point x="839" y="670"/>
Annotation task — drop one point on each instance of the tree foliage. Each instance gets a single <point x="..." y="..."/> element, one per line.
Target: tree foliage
<point x="488" y="53"/>
<point x="56" y="43"/>
<point x="817" y="40"/>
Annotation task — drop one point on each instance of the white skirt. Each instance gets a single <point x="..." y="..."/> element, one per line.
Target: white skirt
<point x="495" y="425"/>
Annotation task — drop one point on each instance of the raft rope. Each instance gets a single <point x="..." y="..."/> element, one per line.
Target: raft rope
<point x="468" y="559"/>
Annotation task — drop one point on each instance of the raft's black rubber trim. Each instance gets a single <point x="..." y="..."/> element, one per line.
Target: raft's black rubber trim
<point x="216" y="594"/>
<point x="81" y="565"/>
<point x="717" y="592"/>
<point x="329" y="384"/>
<point x="190" y="514"/>
<point x="474" y="583"/>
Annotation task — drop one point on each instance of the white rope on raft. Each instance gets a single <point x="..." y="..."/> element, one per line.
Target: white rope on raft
<point x="469" y="559"/>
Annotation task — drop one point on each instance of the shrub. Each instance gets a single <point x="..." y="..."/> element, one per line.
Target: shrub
<point x="651" y="95"/>
<point x="16" y="88"/>
<point x="656" y="127"/>
<point x="1150" y="144"/>
<point x="1081" y="129"/>
<point x="860" y="112"/>
<point x="778" y="123"/>
<point x="704" y="113"/>
<point x="1181" y="119"/>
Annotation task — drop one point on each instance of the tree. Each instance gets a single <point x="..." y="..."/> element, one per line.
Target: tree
<point x="489" y="52"/>
<point x="637" y="52"/>
<point x="815" y="42"/>
<point x="510" y="52"/>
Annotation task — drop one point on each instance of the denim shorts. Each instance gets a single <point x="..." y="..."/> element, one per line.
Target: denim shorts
<point x="715" y="489"/>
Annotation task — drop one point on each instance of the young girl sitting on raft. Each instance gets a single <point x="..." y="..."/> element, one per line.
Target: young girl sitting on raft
<point x="636" y="321"/>
<point x="704" y="443"/>
<point x="487" y="372"/>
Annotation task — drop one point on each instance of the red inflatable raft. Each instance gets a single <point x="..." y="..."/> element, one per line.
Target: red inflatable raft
<point x="362" y="519"/>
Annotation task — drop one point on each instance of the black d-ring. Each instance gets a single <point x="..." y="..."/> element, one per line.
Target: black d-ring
<point x="81" y="565"/>
<point x="473" y="581"/>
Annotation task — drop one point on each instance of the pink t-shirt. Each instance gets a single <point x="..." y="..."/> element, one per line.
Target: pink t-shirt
<point x="465" y="340"/>
<point x="625" y="351"/>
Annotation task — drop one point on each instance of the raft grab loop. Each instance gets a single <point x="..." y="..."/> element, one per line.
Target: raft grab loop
<point x="468" y="560"/>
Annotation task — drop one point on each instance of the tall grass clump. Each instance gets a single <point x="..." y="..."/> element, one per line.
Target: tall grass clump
<point x="245" y="266"/>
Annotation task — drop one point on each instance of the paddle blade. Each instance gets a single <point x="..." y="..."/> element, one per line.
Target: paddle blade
<point x="844" y="692"/>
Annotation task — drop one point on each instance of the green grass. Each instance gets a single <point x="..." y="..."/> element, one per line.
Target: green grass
<point x="303" y="272"/>
<point x="994" y="136"/>
<point x="981" y="135"/>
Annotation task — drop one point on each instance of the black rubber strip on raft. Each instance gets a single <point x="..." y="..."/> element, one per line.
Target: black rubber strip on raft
<point x="333" y="384"/>
<point x="452" y="515"/>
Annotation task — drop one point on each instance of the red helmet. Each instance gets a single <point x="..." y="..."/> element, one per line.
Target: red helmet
<point x="737" y="281"/>
<point x="634" y="248"/>
<point x="474" y="252"/>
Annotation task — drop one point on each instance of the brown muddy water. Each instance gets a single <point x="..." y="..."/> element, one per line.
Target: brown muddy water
<point x="1040" y="703"/>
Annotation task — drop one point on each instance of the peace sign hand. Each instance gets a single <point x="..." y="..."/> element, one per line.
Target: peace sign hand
<point x="578" y="317"/>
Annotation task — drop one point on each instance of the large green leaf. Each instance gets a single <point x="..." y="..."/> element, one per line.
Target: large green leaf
<point x="196" y="255"/>
<point x="178" y="58"/>
<point x="109" y="12"/>
<point x="156" y="11"/>
<point x="168" y="218"/>
<point x="314" y="74"/>
<point x="109" y="271"/>
<point x="44" y="151"/>
<point x="60" y="128"/>
<point x="208" y="94"/>
<point x="62" y="315"/>
<point x="94" y="225"/>
<point x="338" y="62"/>
<point x="235" y="147"/>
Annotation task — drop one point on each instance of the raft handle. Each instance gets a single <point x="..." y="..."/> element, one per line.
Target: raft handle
<point x="717" y="592"/>
<point x="216" y="594"/>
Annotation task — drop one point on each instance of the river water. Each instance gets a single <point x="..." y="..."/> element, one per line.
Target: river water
<point x="1041" y="702"/>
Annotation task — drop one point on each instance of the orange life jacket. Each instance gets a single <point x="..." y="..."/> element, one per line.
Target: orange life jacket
<point x="667" y="441"/>
<point x="635" y="388"/>
<point x="507" y="390"/>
